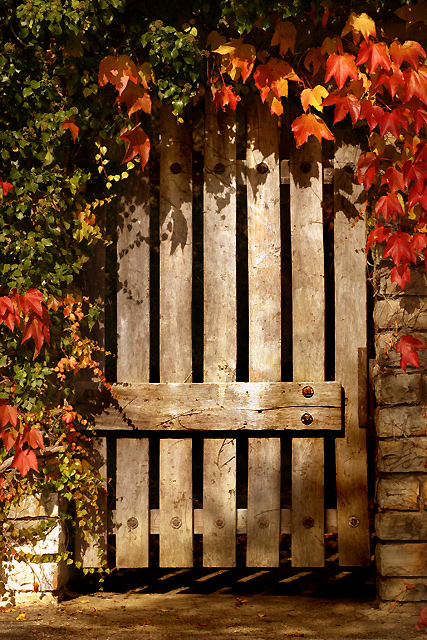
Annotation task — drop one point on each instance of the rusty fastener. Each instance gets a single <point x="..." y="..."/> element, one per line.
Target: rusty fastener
<point x="262" y="168"/>
<point x="219" y="168"/>
<point x="175" y="168"/>
<point x="308" y="523"/>
<point x="176" y="522"/>
<point x="263" y="522"/>
<point x="353" y="521"/>
<point x="132" y="523"/>
<point x="306" y="418"/>
<point x="308" y="392"/>
<point x="220" y="523"/>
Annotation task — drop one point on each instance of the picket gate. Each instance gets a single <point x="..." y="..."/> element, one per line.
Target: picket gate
<point x="262" y="410"/>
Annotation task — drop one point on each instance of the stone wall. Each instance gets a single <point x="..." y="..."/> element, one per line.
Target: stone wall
<point x="23" y="582"/>
<point x="401" y="488"/>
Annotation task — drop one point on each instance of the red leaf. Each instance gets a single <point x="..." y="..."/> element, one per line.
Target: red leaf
<point x="394" y="179"/>
<point x="423" y="619"/>
<point x="225" y="96"/>
<point x="136" y="98"/>
<point x="420" y="119"/>
<point x="139" y="144"/>
<point x="408" y="347"/>
<point x="389" y="206"/>
<point x="390" y="122"/>
<point x="371" y="112"/>
<point x="37" y="329"/>
<point x="24" y="460"/>
<point x="419" y="242"/>
<point x="274" y="76"/>
<point x="34" y="438"/>
<point x="415" y="85"/>
<point x="367" y="168"/>
<point x="5" y="186"/>
<point x="391" y="79"/>
<point x="8" y="414"/>
<point x="340" y="67"/>
<point x="376" y="54"/>
<point x="71" y="125"/>
<point x="416" y="171"/>
<point x="33" y="299"/>
<point x="117" y="70"/>
<point x="406" y="52"/>
<point x="8" y="440"/>
<point x="400" y="275"/>
<point x="399" y="248"/>
<point x="309" y="124"/>
<point x="378" y="235"/>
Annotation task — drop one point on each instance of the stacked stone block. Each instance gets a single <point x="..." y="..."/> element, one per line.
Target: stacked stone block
<point x="401" y="423"/>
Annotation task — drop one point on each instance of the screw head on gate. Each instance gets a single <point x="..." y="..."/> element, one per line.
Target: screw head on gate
<point x="176" y="523"/>
<point x="262" y="168"/>
<point x="219" y="168"/>
<point x="353" y="521"/>
<point x="308" y="392"/>
<point x="263" y="522"/>
<point x="175" y="168"/>
<point x="132" y="523"/>
<point x="305" y="167"/>
<point x="306" y="418"/>
<point x="308" y="523"/>
<point x="220" y="523"/>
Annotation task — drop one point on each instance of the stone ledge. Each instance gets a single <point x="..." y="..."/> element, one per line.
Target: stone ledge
<point x="399" y="388"/>
<point x="36" y="506"/>
<point x="401" y="526"/>
<point x="402" y="559"/>
<point x="401" y="420"/>
<point x="395" y="588"/>
<point x="403" y="455"/>
<point x="400" y="492"/>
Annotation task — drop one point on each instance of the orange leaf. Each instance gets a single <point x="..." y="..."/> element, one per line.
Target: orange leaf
<point x="309" y="124"/>
<point x="70" y="124"/>
<point x="241" y="56"/>
<point x="5" y="187"/>
<point x="37" y="329"/>
<point x="409" y="51"/>
<point x="8" y="414"/>
<point x="315" y="58"/>
<point x="340" y="67"/>
<point x="118" y="71"/>
<point x="274" y="76"/>
<point x="375" y="54"/>
<point x="136" y="98"/>
<point x="285" y="35"/>
<point x="24" y="460"/>
<point x="139" y="144"/>
<point x="34" y="438"/>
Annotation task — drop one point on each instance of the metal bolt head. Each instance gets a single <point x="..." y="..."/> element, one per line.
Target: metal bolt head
<point x="220" y="523"/>
<point x="353" y="521"/>
<point x="262" y="168"/>
<point x="305" y="167"/>
<point x="175" y="168"/>
<point x="263" y="522"/>
<point x="219" y="168"/>
<point x="132" y="523"/>
<point x="306" y="418"/>
<point x="308" y="392"/>
<point x="308" y="523"/>
<point x="176" y="522"/>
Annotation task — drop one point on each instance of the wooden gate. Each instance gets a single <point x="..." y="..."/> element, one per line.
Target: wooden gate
<point x="263" y="410"/>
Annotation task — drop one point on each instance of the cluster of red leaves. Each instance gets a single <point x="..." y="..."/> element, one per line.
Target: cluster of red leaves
<point x="132" y="83"/>
<point x="28" y="313"/>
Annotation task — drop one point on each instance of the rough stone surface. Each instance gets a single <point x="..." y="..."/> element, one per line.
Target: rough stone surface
<point x="401" y="526"/>
<point x="36" y="506"/>
<point x="399" y="388"/>
<point x="402" y="559"/>
<point x="398" y="492"/>
<point x="402" y="455"/>
<point x="401" y="421"/>
<point x="409" y="590"/>
<point x="407" y="311"/>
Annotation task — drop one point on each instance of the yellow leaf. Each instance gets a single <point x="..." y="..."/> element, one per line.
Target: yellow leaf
<point x="285" y="34"/>
<point x="239" y="57"/>
<point x="22" y="616"/>
<point x="275" y="104"/>
<point x="377" y="143"/>
<point x="261" y="615"/>
<point x="145" y="74"/>
<point x="314" y="97"/>
<point x="360" y="24"/>
<point x="84" y="601"/>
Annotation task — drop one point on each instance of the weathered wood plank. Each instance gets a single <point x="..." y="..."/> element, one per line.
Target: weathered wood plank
<point x="133" y="259"/>
<point x="285" y="176"/>
<point x="264" y="282"/>
<point x="238" y="405"/>
<point x="132" y="513"/>
<point x="91" y="553"/>
<point x="308" y="312"/>
<point x="263" y="513"/>
<point x="175" y="250"/>
<point x="176" y="503"/>
<point x="350" y="344"/>
<point x="219" y="228"/>
<point x="219" y="503"/>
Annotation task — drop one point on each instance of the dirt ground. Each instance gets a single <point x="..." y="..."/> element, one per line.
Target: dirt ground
<point x="257" y="605"/>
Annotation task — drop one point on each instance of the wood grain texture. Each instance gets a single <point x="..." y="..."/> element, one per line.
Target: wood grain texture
<point x="132" y="509"/>
<point x="176" y="503"/>
<point x="91" y="553"/>
<point x="219" y="245"/>
<point x="351" y="359"/>
<point x="175" y="250"/>
<point x="133" y="280"/>
<point x="219" y="502"/>
<point x="223" y="406"/>
<point x="308" y="318"/>
<point x="263" y="513"/>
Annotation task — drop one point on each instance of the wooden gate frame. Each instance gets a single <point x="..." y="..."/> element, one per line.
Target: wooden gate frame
<point x="220" y="403"/>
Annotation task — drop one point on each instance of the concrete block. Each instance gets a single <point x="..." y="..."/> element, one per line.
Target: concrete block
<point x="386" y="356"/>
<point x="400" y="559"/>
<point x="401" y="420"/>
<point x="402" y="455"/>
<point x="36" y="506"/>
<point x="398" y="492"/>
<point x="390" y="525"/>
<point x="399" y="388"/>
<point x="409" y="590"/>
<point x="23" y="576"/>
<point x="417" y="286"/>
<point x="408" y="311"/>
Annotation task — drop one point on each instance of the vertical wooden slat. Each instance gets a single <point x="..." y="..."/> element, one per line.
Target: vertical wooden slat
<point x="90" y="554"/>
<point x="176" y="504"/>
<point x="132" y="513"/>
<point x="308" y="322"/>
<point x="220" y="329"/>
<point x="219" y="502"/>
<point x="350" y="345"/>
<point x="263" y="196"/>
<point x="176" y="513"/>
<point x="175" y="250"/>
<point x="133" y="303"/>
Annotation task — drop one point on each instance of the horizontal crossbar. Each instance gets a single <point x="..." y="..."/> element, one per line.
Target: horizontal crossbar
<point x="214" y="406"/>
